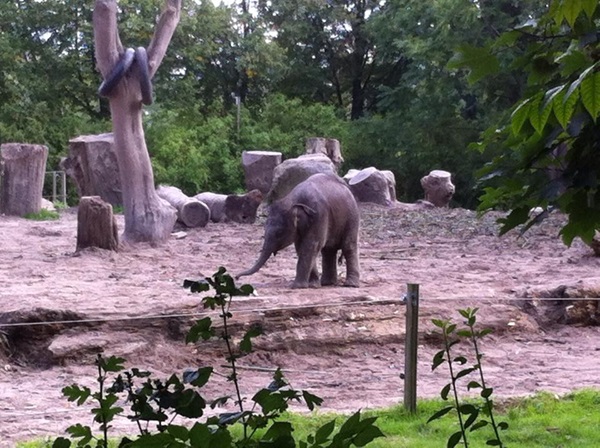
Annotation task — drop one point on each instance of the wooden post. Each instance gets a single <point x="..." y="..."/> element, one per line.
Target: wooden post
<point x="410" y="347"/>
<point x="96" y="224"/>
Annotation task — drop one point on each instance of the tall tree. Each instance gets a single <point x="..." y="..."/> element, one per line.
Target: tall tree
<point x="548" y="144"/>
<point x="329" y="48"/>
<point x="147" y="218"/>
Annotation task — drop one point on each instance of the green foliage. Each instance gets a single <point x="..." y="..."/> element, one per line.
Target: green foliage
<point x="43" y="215"/>
<point x="550" y="140"/>
<point x="158" y="401"/>
<point x="193" y="152"/>
<point x="467" y="413"/>
<point x="283" y="124"/>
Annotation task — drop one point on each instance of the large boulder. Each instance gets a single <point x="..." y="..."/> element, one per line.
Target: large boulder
<point x="293" y="171"/>
<point x="438" y="187"/>
<point x="258" y="169"/>
<point x="372" y="185"/>
<point x="240" y="208"/>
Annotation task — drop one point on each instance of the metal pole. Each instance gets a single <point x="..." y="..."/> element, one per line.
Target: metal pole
<point x="410" y="348"/>
<point x="53" y="187"/>
<point x="64" y="188"/>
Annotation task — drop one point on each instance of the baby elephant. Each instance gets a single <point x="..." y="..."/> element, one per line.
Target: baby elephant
<point x="319" y="215"/>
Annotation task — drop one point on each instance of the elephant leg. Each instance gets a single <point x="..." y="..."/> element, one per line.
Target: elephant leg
<point x="314" y="280"/>
<point x="306" y="269"/>
<point x="329" y="276"/>
<point x="352" y="267"/>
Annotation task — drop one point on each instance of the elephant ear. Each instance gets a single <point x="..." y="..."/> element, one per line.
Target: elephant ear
<point x="302" y="215"/>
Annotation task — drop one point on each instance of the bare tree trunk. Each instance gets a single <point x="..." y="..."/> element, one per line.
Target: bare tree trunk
<point x="23" y="169"/>
<point x="96" y="224"/>
<point x="147" y="217"/>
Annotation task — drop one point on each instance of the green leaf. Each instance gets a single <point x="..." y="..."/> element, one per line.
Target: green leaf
<point x="190" y="404"/>
<point x="487" y="392"/>
<point x="519" y="116"/>
<point x="590" y="94"/>
<point x="440" y="413"/>
<point x="464" y="372"/>
<point x="572" y="61"/>
<point x="74" y="392"/>
<point x="503" y="425"/>
<point x="479" y="424"/>
<point x="279" y="430"/>
<point x="493" y="442"/>
<point x="197" y="377"/>
<point x="571" y="10"/>
<point x="467" y="409"/>
<point x="575" y="84"/>
<point x="438" y="359"/>
<point x="61" y="442"/>
<point x="471" y="419"/>
<point x="517" y="216"/>
<point x="178" y="432"/>
<point x="246" y="342"/>
<point x="454" y="439"/>
<point x="539" y="113"/>
<point x="445" y="391"/>
<point x="196" y="286"/>
<point x="312" y="401"/>
<point x="478" y="59"/>
<point x="473" y="385"/>
<point x="84" y="433"/>
<point x="201" y="329"/>
<point x="200" y="436"/>
<point x="323" y="433"/>
<point x="589" y="6"/>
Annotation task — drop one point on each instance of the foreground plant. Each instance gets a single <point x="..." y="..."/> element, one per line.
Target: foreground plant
<point x="467" y="413"/>
<point x="162" y="401"/>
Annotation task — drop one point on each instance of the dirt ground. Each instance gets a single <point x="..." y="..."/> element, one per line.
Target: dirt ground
<point x="343" y="344"/>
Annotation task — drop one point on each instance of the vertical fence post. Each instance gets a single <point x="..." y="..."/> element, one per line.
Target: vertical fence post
<point x="410" y="347"/>
<point x="54" y="173"/>
<point x="64" y="187"/>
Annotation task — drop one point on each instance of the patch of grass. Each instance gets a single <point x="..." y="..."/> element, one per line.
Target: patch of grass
<point x="541" y="421"/>
<point x="43" y="215"/>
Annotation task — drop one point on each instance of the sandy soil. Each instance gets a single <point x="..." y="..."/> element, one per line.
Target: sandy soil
<point x="343" y="344"/>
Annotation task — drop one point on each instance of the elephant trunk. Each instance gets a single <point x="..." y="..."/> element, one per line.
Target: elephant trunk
<point x="262" y="259"/>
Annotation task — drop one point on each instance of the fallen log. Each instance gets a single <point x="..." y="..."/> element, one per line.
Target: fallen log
<point x="190" y="211"/>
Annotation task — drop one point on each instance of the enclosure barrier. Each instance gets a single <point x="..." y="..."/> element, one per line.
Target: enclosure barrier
<point x="411" y="300"/>
<point x="59" y="178"/>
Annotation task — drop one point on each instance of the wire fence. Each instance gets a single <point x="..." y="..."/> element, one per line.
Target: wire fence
<point x="11" y="415"/>
<point x="55" y="186"/>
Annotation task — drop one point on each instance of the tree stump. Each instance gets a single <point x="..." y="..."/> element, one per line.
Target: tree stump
<point x="327" y="146"/>
<point x="23" y="170"/>
<point x="92" y="164"/>
<point x="293" y="171"/>
<point x="438" y="187"/>
<point x="370" y="185"/>
<point x="190" y="211"/>
<point x="96" y="224"/>
<point x="258" y="169"/>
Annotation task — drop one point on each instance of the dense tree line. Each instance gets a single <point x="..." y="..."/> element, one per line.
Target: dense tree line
<point x="384" y="77"/>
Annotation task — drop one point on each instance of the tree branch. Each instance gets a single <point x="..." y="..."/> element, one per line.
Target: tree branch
<point x="106" y="35"/>
<point x="164" y="30"/>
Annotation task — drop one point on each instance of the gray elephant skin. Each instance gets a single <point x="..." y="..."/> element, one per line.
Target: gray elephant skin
<point x="319" y="215"/>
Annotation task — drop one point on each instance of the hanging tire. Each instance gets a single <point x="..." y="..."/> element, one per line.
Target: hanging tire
<point x="141" y="59"/>
<point x="117" y="73"/>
